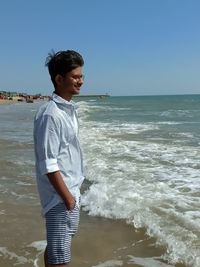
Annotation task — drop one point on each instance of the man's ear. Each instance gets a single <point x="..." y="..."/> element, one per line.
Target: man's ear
<point x="58" y="79"/>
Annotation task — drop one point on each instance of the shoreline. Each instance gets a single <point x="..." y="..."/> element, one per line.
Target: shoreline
<point x="100" y="242"/>
<point x="8" y="102"/>
<point x="106" y="242"/>
<point x="14" y="101"/>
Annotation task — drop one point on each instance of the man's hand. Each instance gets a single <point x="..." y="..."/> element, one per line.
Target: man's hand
<point x="70" y="203"/>
<point x="56" y="180"/>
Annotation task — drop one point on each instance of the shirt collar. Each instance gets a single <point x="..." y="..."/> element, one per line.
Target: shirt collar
<point x="64" y="103"/>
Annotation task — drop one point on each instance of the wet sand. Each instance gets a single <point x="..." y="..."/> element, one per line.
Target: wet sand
<point x="104" y="242"/>
<point x="100" y="242"/>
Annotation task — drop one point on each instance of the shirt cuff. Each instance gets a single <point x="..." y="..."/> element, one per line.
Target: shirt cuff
<point x="48" y="165"/>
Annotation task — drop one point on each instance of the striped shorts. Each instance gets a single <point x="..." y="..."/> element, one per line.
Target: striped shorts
<point x="61" y="225"/>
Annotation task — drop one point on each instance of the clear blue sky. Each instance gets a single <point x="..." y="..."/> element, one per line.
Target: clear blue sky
<point x="130" y="47"/>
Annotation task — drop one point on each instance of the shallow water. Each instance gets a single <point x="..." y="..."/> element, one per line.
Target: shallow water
<point x="142" y="166"/>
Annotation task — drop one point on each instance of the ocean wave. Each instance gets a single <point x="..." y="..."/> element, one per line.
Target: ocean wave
<point x="149" y="184"/>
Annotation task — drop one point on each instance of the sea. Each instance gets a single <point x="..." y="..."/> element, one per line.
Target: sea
<point x="142" y="167"/>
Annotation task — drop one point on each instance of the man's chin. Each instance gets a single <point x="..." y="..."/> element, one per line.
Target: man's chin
<point x="77" y="92"/>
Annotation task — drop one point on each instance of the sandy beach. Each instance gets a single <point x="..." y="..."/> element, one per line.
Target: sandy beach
<point x="9" y="101"/>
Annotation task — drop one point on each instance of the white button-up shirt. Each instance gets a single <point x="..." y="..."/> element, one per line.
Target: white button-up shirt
<point x="57" y="148"/>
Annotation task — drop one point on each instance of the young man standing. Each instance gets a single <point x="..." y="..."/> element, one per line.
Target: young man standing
<point x="59" y="163"/>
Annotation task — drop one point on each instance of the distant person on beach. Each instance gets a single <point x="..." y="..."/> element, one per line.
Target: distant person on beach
<point x="59" y="163"/>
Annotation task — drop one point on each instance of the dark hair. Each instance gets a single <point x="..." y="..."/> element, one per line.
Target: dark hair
<point x="62" y="62"/>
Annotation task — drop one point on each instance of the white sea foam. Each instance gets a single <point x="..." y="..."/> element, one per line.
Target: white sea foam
<point x="188" y="135"/>
<point x="92" y="106"/>
<point x="177" y="113"/>
<point x="149" y="184"/>
<point x="169" y="123"/>
<point x="40" y="247"/>
<point x="2" y="212"/>
<point x="24" y="183"/>
<point x="109" y="263"/>
<point x="13" y="256"/>
<point x="148" y="262"/>
<point x="23" y="162"/>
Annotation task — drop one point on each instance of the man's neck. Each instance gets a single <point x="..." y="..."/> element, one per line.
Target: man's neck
<point x="64" y="96"/>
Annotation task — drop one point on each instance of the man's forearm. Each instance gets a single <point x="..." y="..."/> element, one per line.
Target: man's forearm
<point x="56" y="180"/>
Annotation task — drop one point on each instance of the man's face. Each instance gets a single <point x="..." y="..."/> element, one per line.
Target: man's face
<point x="72" y="82"/>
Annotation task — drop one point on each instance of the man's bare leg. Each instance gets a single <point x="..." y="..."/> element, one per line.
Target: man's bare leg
<point x="46" y="258"/>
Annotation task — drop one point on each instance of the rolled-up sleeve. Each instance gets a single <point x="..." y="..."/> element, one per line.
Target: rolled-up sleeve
<point x="47" y="138"/>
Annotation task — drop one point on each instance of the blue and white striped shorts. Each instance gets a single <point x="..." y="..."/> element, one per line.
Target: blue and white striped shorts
<point x="61" y="225"/>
